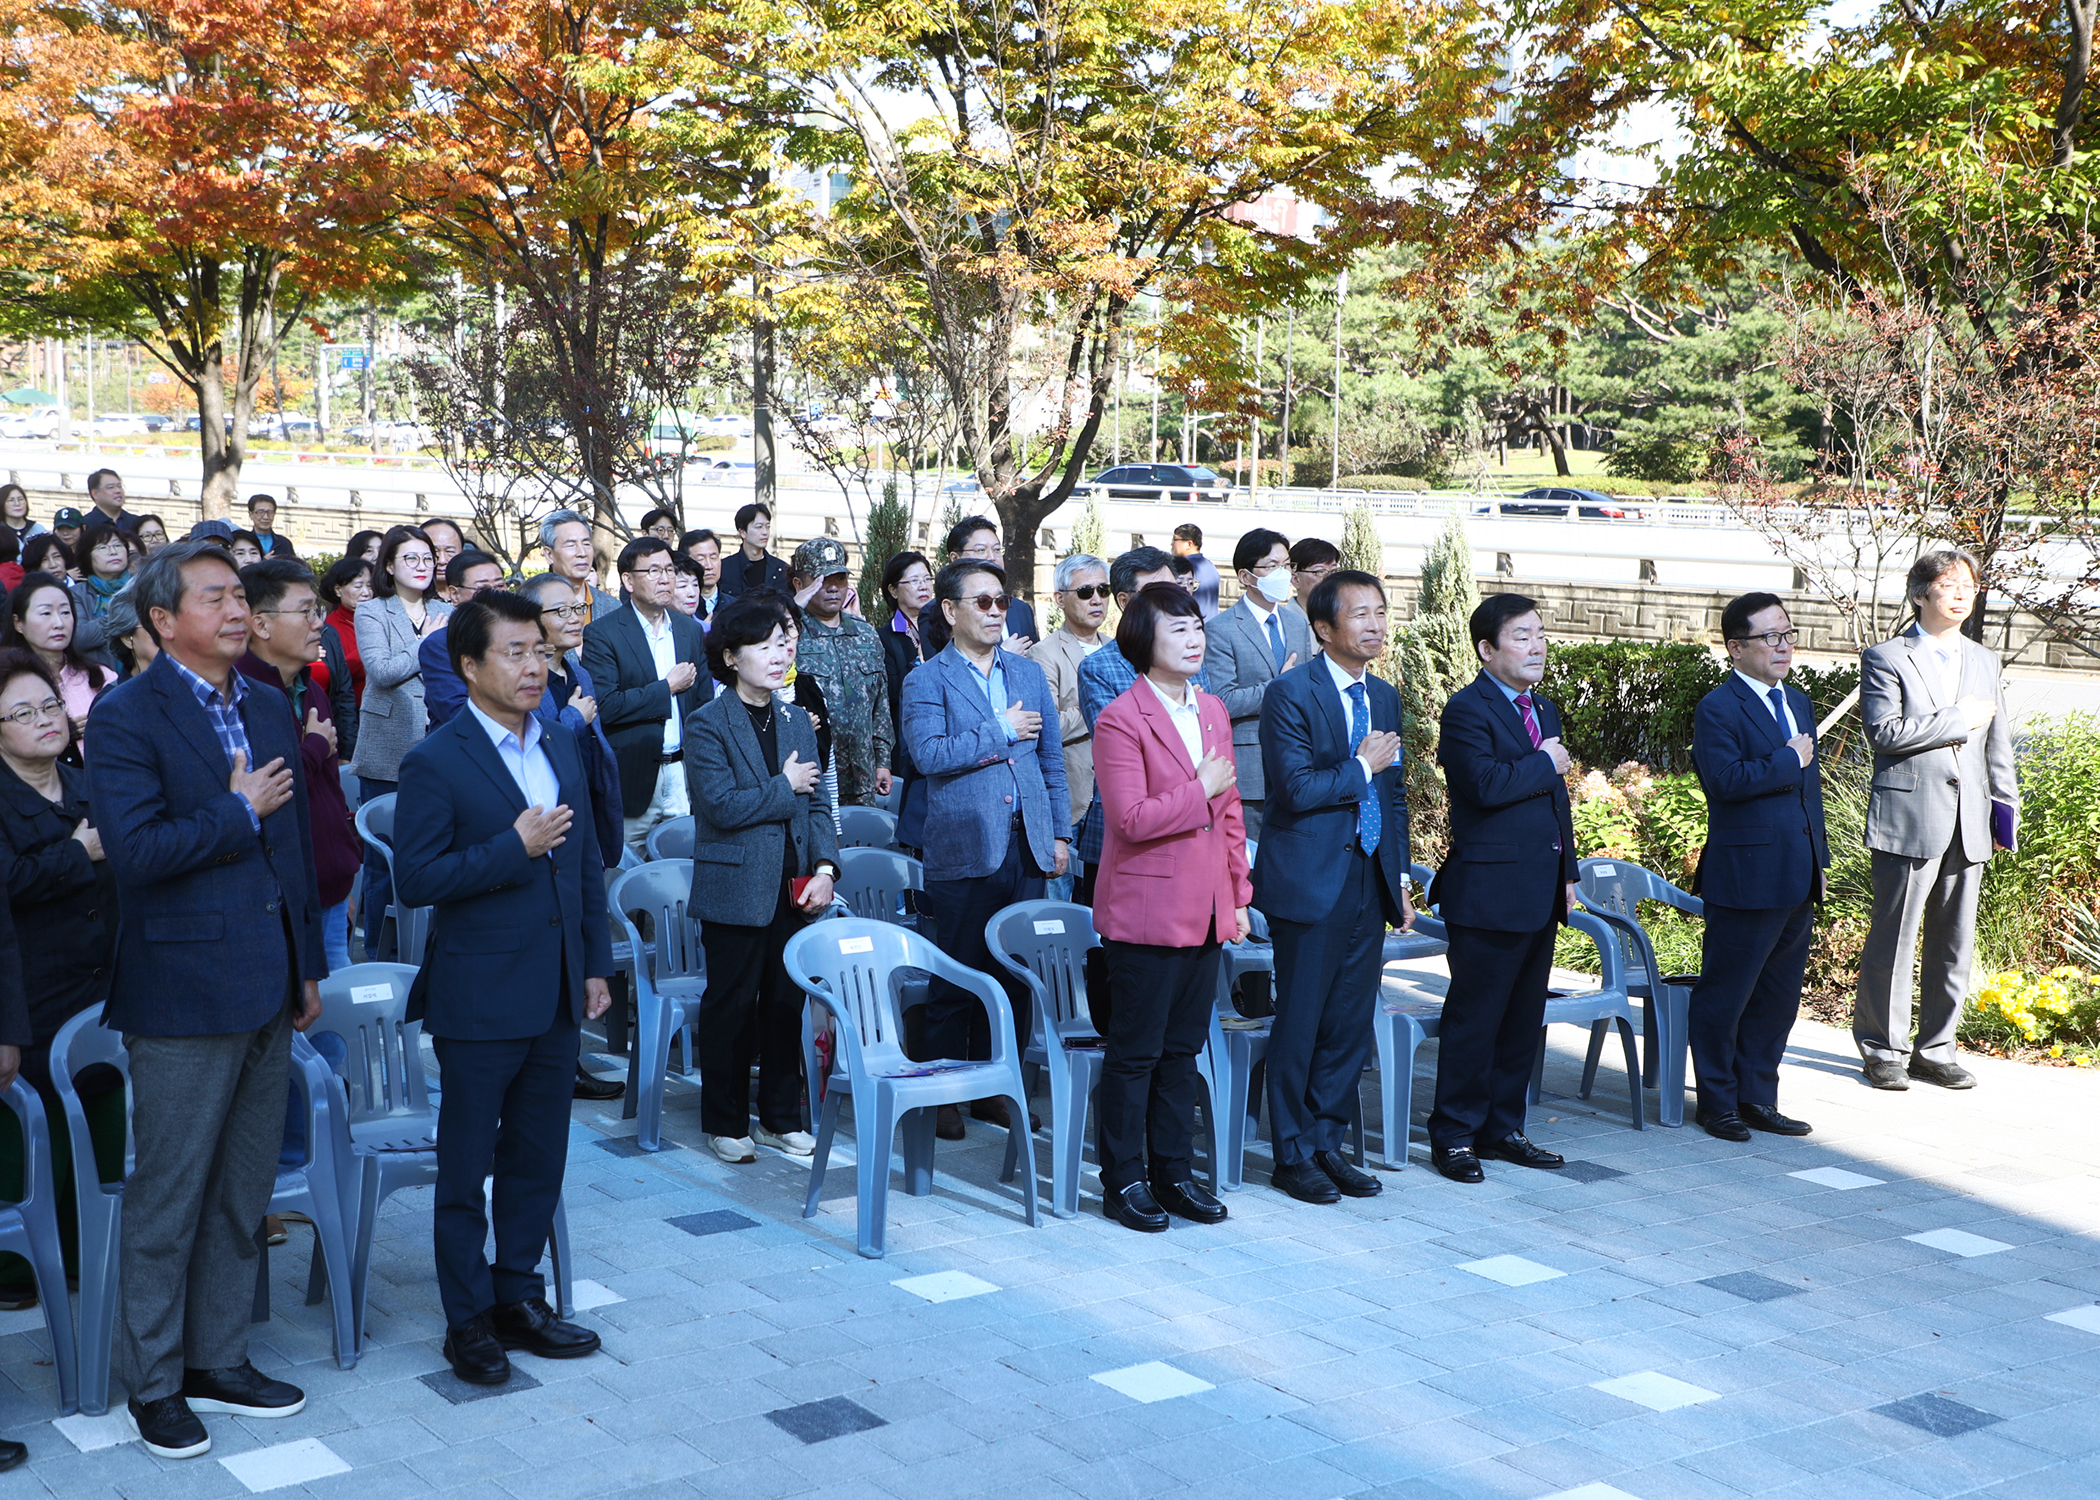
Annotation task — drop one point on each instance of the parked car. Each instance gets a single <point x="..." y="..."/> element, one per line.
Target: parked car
<point x="717" y="470"/>
<point x="289" y="425"/>
<point x="31" y="422"/>
<point x="1553" y="502"/>
<point x="1152" y="481"/>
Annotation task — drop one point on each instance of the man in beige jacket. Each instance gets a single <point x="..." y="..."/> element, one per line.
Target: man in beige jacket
<point x="1081" y="584"/>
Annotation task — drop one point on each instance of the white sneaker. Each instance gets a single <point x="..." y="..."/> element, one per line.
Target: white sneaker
<point x="732" y="1148"/>
<point x="794" y="1143"/>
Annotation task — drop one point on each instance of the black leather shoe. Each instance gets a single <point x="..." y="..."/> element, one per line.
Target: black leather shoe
<point x="169" y="1428"/>
<point x="12" y="1455"/>
<point x="531" y="1325"/>
<point x="1134" y="1207"/>
<point x="1725" y="1125"/>
<point x="1189" y="1200"/>
<point x="242" y="1391"/>
<point x="947" y="1123"/>
<point x="591" y="1086"/>
<point x="1946" y="1075"/>
<point x="1457" y="1163"/>
<point x="1305" y="1182"/>
<point x="1347" y="1180"/>
<point x="474" y="1354"/>
<point x="1884" y="1074"/>
<point x="1519" y="1152"/>
<point x="1764" y="1117"/>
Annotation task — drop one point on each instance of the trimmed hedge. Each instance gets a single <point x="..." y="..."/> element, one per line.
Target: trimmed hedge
<point x="1384" y="482"/>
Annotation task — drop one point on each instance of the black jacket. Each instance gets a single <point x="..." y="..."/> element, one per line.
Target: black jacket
<point x="740" y="575"/>
<point x="342" y="694"/>
<point x="1512" y="836"/>
<point x="67" y="900"/>
<point x="633" y="702"/>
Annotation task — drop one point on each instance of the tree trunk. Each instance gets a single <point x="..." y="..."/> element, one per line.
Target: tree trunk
<point x="222" y="461"/>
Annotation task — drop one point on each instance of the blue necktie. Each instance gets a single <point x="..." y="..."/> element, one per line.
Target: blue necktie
<point x="1370" y="817"/>
<point x="1779" y="711"/>
<point x="1275" y="641"/>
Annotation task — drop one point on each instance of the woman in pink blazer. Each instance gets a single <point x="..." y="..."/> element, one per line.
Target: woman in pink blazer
<point x="1172" y="886"/>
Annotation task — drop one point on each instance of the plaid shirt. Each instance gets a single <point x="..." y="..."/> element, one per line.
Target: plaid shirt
<point x="1104" y="677"/>
<point x="224" y="711"/>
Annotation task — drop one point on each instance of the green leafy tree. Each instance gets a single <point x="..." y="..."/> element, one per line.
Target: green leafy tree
<point x="1430" y="659"/>
<point x="1362" y="547"/>
<point x="889" y="533"/>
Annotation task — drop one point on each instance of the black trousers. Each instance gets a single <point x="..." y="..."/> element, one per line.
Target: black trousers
<point x="1489" y="1037"/>
<point x="1744" y="1005"/>
<point x="1149" y="1084"/>
<point x="751" y="1009"/>
<point x="1326" y="985"/>
<point x="955" y="1019"/>
<point x="505" y="1112"/>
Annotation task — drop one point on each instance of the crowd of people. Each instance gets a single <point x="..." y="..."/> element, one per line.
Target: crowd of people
<point x="179" y="722"/>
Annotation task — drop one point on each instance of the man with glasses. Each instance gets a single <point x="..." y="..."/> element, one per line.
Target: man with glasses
<point x="1754" y="746"/>
<point x="1248" y="647"/>
<point x="1081" y="585"/>
<point x="566" y="537"/>
<point x="1312" y="559"/>
<point x="468" y="575"/>
<point x="997" y="824"/>
<point x="646" y="662"/>
<point x="976" y="539"/>
<point x="1506" y="886"/>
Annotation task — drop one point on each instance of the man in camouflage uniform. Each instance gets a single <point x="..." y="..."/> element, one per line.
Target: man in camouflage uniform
<point x="844" y="654"/>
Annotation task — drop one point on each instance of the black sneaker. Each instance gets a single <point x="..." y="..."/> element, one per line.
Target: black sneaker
<point x="12" y="1455"/>
<point x="242" y="1391"/>
<point x="169" y="1428"/>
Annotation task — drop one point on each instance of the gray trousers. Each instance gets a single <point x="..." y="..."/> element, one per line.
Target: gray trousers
<point x="1935" y="899"/>
<point x="208" y="1116"/>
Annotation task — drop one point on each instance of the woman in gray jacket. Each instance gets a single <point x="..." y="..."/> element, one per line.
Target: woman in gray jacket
<point x="760" y="823"/>
<point x="390" y="629"/>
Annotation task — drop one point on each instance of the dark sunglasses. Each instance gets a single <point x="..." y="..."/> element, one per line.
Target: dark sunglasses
<point x="1091" y="591"/>
<point x="989" y="604"/>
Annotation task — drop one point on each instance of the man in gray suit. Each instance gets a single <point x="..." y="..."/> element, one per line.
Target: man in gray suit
<point x="1944" y="795"/>
<point x="1249" y="646"/>
<point x="566" y="535"/>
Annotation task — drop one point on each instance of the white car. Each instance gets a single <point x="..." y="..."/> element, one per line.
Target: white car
<point x="722" y="471"/>
<point x="36" y="422"/>
<point x="120" y="424"/>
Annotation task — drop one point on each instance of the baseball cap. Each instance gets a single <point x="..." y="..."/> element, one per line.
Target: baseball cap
<point x="820" y="557"/>
<point x="67" y="516"/>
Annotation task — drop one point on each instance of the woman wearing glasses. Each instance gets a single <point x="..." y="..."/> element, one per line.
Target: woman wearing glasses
<point x="1081" y="585"/>
<point x="571" y="699"/>
<point x="391" y="718"/>
<point x="62" y="893"/>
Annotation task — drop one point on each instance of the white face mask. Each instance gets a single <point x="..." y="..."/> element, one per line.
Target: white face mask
<point x="1275" y="586"/>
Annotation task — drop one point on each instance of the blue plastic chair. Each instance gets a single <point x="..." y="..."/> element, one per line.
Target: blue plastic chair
<point x="872" y="883"/>
<point x="375" y="827"/>
<point x="672" y="839"/>
<point x="29" y="1227"/>
<point x="80" y="1044"/>
<point x="1614" y="890"/>
<point x="670" y="977"/>
<point x="851" y="967"/>
<point x="867" y="828"/>
<point x="1044" y="944"/>
<point x="324" y="1189"/>
<point x="389" y="1120"/>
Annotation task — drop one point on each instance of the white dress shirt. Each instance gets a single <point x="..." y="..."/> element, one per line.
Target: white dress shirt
<point x="1343" y="682"/>
<point x="1764" y="695"/>
<point x="1186" y="717"/>
<point x="526" y="759"/>
<point x="1943" y="656"/>
<point x="663" y="650"/>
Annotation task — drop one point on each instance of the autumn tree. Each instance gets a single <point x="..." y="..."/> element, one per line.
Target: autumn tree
<point x="191" y="175"/>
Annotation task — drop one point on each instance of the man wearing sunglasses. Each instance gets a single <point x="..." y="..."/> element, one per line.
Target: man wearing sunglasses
<point x="1754" y="745"/>
<point x="1081" y="590"/>
<point x="997" y="816"/>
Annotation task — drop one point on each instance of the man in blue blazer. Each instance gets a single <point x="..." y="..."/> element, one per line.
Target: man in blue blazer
<point x="1754" y="744"/>
<point x="517" y="959"/>
<point x="998" y="816"/>
<point x="1330" y="875"/>
<point x="198" y="787"/>
<point x="469" y="573"/>
<point x="1507" y="884"/>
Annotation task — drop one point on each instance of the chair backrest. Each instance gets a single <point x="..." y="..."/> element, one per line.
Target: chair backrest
<point x="349" y="779"/>
<point x="629" y="860"/>
<point x="872" y="882"/>
<point x="672" y="839"/>
<point x="80" y="1044"/>
<point x="37" y="1165"/>
<point x="867" y="828"/>
<point x="1046" y="944"/>
<point x="659" y="892"/>
<point x="366" y="1005"/>
<point x="375" y="822"/>
<point x="1620" y="886"/>
<point x="851" y="966"/>
<point x="1610" y="956"/>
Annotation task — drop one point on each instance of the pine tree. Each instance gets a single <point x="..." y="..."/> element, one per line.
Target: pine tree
<point x="889" y="533"/>
<point x="1090" y="536"/>
<point x="1362" y="547"/>
<point x="1430" y="659"/>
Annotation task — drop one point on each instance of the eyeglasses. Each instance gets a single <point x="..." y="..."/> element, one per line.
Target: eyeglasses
<point x="1090" y="591"/>
<point x="653" y="574"/>
<point x="1774" y="639"/>
<point x="516" y="654"/>
<point x="1267" y="566"/>
<point x="566" y="611"/>
<point x="416" y="559"/>
<point x="29" y="713"/>
<point x="989" y="604"/>
<point x="1321" y="571"/>
<point x="310" y="613"/>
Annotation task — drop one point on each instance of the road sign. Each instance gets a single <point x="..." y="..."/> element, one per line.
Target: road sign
<point x="350" y="360"/>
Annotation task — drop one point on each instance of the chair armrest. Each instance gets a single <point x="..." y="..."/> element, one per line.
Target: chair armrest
<point x="1634" y="932"/>
<point x="1600" y="930"/>
<point x="36" y="1141"/>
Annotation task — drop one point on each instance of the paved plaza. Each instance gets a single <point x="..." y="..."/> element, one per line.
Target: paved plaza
<point x="1902" y="1305"/>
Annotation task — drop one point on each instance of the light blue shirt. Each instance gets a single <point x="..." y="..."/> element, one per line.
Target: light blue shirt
<point x="526" y="759"/>
<point x="994" y="685"/>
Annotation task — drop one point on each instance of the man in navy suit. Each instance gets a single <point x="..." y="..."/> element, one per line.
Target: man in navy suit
<point x="518" y="957"/>
<point x="1754" y="744"/>
<point x="998" y="816"/>
<point x="199" y="790"/>
<point x="1330" y="874"/>
<point x="1507" y="884"/>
